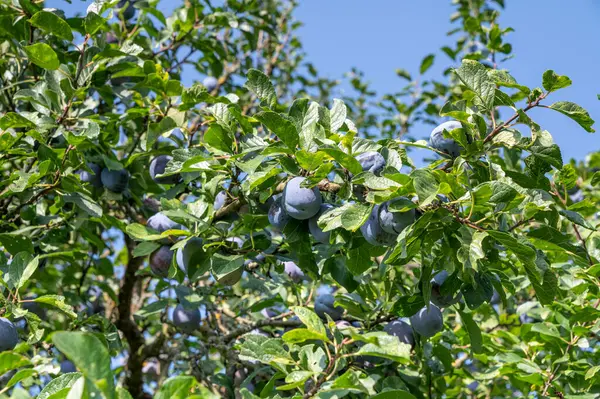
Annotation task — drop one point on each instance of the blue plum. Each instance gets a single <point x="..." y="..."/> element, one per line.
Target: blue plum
<point x="437" y="298"/>
<point x="158" y="166"/>
<point x="299" y="202"/>
<point x="67" y="366"/>
<point x="402" y="330"/>
<point x="160" y="261"/>
<point x="237" y="241"/>
<point x="371" y="161"/>
<point x="210" y="82"/>
<point x="293" y="271"/>
<point x="162" y="223"/>
<point x="8" y="335"/>
<point x="187" y="320"/>
<point x="313" y="226"/>
<point x="324" y="304"/>
<point x="278" y="217"/>
<point x="129" y="12"/>
<point x="395" y="222"/>
<point x="92" y="177"/>
<point x="191" y="253"/>
<point x="116" y="181"/>
<point x="373" y="233"/>
<point x="220" y="200"/>
<point x="447" y="145"/>
<point x="428" y="321"/>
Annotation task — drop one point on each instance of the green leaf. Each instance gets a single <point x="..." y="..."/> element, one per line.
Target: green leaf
<point x="57" y="301"/>
<point x="90" y="356"/>
<point x="426" y="63"/>
<point x="299" y="335"/>
<point x="260" y="85"/>
<point x="10" y="361"/>
<point x="145" y="248"/>
<point x="349" y="381"/>
<point x="282" y="128"/>
<point x="338" y="114"/>
<point x="14" y="120"/>
<point x="473" y="330"/>
<point x="157" y="129"/>
<point x="19" y="376"/>
<point x="358" y="260"/>
<point x="20" y="269"/>
<point x="42" y="55"/>
<point x="93" y="22"/>
<point x="426" y="185"/>
<point x="592" y="371"/>
<point x="141" y="233"/>
<point x="407" y="306"/>
<point x="353" y="215"/>
<point x="311" y="320"/>
<point x="84" y="202"/>
<point x="575" y="112"/>
<point x="394" y="394"/>
<point x="475" y="77"/>
<point x="52" y="23"/>
<point x="383" y="345"/>
<point x="176" y="388"/>
<point x="552" y="81"/>
<point x="347" y="161"/>
<point x="218" y="138"/>
<point x="576" y="218"/>
<point x="14" y="243"/>
<point x="59" y="384"/>
<point x="265" y="350"/>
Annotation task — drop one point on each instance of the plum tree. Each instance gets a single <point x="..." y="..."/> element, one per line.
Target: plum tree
<point x="402" y="330"/>
<point x="325" y="305"/>
<point x="160" y="261"/>
<point x="394" y="222"/>
<point x="116" y="181"/>
<point x="299" y="202"/>
<point x="8" y="335"/>
<point x="99" y="101"/>
<point x="373" y="232"/>
<point x="437" y="297"/>
<point x="371" y="161"/>
<point x="313" y="226"/>
<point x="158" y="166"/>
<point x="444" y="144"/>
<point x="92" y="177"/>
<point x="428" y="321"/>
<point x="187" y="320"/>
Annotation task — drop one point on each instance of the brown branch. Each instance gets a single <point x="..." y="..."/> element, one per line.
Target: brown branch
<point x="128" y="326"/>
<point x="502" y="126"/>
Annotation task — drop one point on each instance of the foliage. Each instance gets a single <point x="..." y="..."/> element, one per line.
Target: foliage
<point x="91" y="284"/>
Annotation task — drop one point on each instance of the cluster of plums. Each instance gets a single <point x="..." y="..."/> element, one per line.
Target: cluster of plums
<point x="302" y="203"/>
<point x="116" y="181"/>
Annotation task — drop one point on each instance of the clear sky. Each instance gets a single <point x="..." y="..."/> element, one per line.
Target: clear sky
<point x="379" y="36"/>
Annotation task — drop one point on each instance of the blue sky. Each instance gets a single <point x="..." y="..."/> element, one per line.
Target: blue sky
<point x="380" y="36"/>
